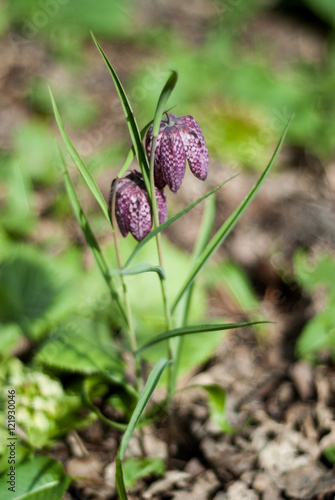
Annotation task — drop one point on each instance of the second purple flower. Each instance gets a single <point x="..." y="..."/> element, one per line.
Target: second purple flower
<point x="132" y="206"/>
<point x="179" y="138"/>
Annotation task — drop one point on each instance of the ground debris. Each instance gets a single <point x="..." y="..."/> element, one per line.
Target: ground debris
<point x="237" y="491"/>
<point x="224" y="456"/>
<point x="171" y="480"/>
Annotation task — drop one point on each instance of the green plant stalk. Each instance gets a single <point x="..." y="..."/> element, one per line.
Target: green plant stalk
<point x="158" y="236"/>
<point x="161" y="263"/>
<point x="203" y="237"/>
<point x="90" y="238"/>
<point x="132" y="336"/>
<point x="180" y="340"/>
<point x="131" y="331"/>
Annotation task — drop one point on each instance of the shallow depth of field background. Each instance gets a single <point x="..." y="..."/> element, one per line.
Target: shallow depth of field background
<point x="244" y="67"/>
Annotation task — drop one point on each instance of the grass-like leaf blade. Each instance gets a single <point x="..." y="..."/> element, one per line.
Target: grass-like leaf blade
<point x="90" y="238"/>
<point x="170" y="221"/>
<point x="227" y="227"/>
<point x="120" y="486"/>
<point x="140" y="268"/>
<point x="202" y="239"/>
<point x="131" y="154"/>
<point x="163" y="99"/>
<point x="144" y="398"/>
<point x="131" y="120"/>
<point x="79" y="163"/>
<point x="188" y="330"/>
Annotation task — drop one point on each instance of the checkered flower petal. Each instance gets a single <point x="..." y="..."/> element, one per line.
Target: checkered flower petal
<point x="195" y="146"/>
<point x="162" y="205"/>
<point x="179" y="138"/>
<point x="172" y="159"/>
<point x="132" y="206"/>
<point x="159" y="181"/>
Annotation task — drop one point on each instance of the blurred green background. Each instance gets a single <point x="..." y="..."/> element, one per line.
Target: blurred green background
<point x="244" y="67"/>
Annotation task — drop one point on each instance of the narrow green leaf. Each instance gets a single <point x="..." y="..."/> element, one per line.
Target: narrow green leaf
<point x="227" y="227"/>
<point x="145" y="396"/>
<point x="160" y="228"/>
<point x="206" y="227"/>
<point x="188" y="330"/>
<point x="203" y="237"/>
<point x="82" y="220"/>
<point x="139" y="269"/>
<point x="120" y="486"/>
<point x="90" y="238"/>
<point x="131" y="155"/>
<point x="131" y="120"/>
<point x="163" y="99"/>
<point x="79" y="163"/>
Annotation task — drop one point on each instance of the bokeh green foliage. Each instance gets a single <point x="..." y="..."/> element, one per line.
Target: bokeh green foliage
<point x="318" y="335"/>
<point x="55" y="303"/>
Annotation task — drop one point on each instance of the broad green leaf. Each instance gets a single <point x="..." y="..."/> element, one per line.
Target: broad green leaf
<point x="79" y="163"/>
<point x="188" y="330"/>
<point x="227" y="227"/>
<point x="41" y="478"/>
<point x="140" y="269"/>
<point x="83" y="346"/>
<point x="90" y="238"/>
<point x="28" y="289"/>
<point x="160" y="228"/>
<point x="120" y="486"/>
<point x="145" y="396"/>
<point x="131" y="120"/>
<point x="138" y="468"/>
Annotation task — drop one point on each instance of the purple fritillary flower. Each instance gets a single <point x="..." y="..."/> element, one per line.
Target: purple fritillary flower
<point x="179" y="138"/>
<point x="132" y="206"/>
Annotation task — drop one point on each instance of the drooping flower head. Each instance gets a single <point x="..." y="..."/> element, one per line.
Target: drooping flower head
<point x="179" y="138"/>
<point x="132" y="205"/>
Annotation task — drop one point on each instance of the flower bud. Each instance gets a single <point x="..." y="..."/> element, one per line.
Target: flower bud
<point x="179" y="138"/>
<point x="132" y="205"/>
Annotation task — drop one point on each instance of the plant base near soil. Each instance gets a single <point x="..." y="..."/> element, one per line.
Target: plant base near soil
<point x="283" y="412"/>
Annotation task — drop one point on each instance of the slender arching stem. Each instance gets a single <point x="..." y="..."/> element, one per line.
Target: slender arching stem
<point x="119" y="260"/>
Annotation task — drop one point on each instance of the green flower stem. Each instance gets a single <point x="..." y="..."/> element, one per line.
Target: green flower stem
<point x="131" y="330"/>
<point x="161" y="263"/>
<point x="180" y="340"/>
<point x="158" y="235"/>
<point x="132" y="335"/>
<point x="170" y="384"/>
